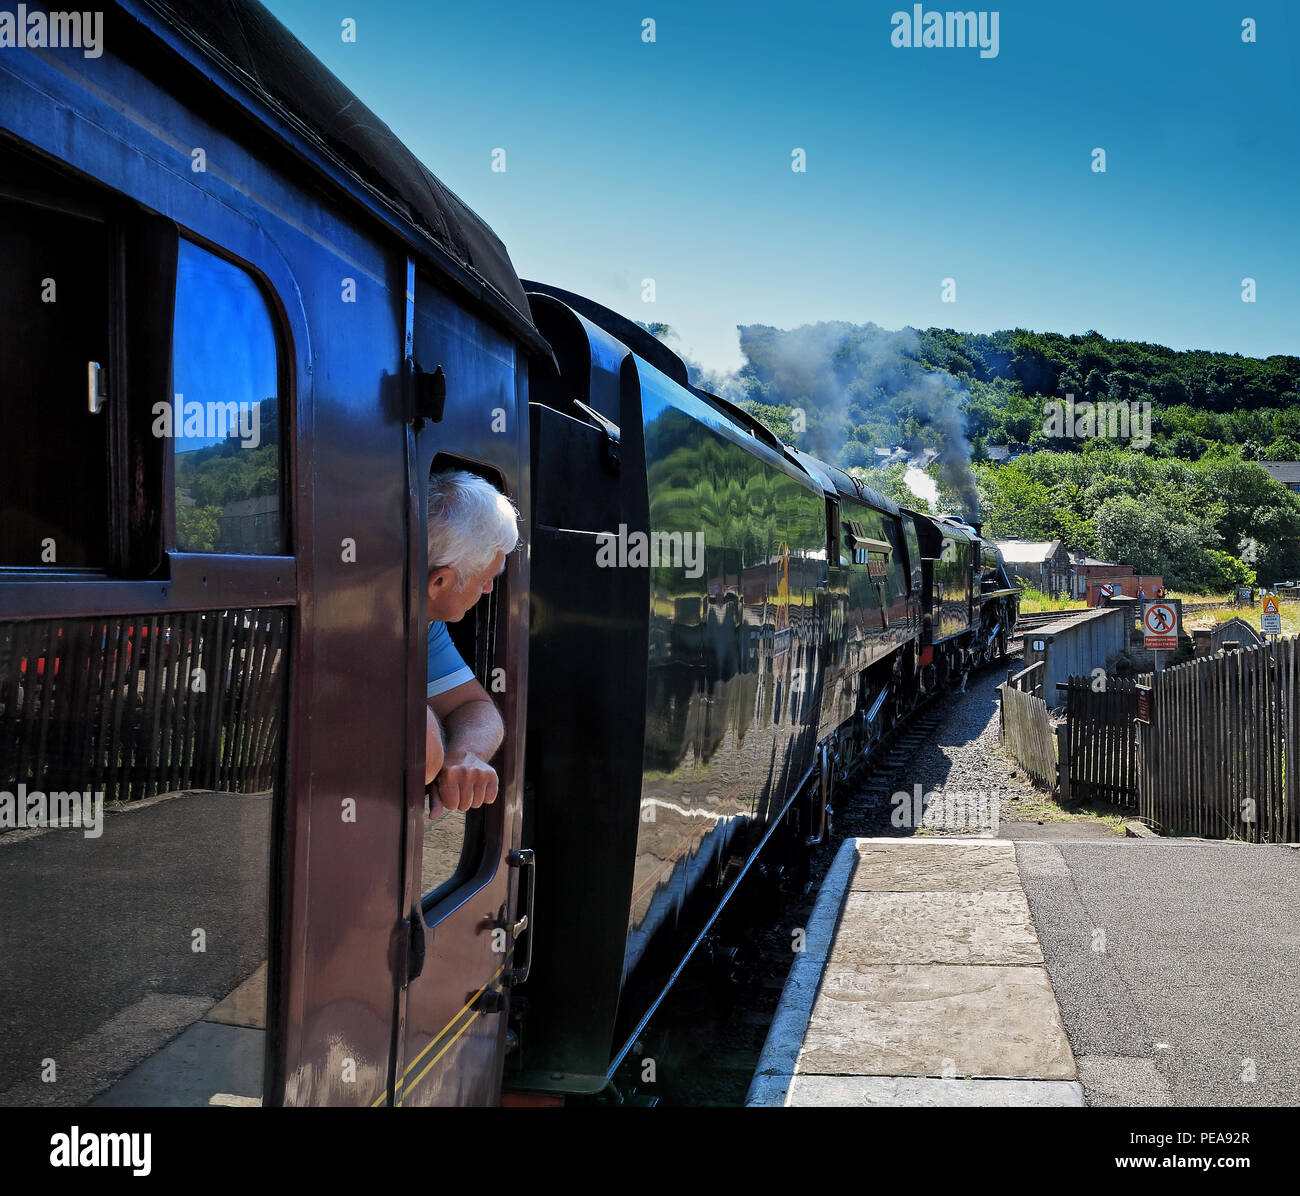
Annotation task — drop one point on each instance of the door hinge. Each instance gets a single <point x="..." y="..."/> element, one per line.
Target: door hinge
<point x="413" y="937"/>
<point x="427" y="393"/>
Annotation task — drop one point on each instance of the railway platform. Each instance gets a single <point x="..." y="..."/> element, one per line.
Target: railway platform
<point x="921" y="983"/>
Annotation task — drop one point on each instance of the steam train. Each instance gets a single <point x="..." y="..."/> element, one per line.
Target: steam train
<point x="705" y="629"/>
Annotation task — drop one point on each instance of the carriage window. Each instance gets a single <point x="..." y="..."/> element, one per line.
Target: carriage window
<point x="454" y="842"/>
<point x="225" y="420"/>
<point x="137" y="865"/>
<point x="54" y="307"/>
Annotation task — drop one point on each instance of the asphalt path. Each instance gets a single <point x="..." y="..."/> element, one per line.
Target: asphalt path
<point x="1174" y="963"/>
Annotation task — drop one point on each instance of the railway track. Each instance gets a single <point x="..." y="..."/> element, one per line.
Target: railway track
<point x="1034" y="621"/>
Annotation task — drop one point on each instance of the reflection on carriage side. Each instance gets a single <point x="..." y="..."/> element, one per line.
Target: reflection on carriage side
<point x="136" y="960"/>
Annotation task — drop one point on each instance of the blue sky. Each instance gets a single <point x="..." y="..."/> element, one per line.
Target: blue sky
<point x="672" y="160"/>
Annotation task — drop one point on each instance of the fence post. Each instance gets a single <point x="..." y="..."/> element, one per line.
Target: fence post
<point x="1063" y="763"/>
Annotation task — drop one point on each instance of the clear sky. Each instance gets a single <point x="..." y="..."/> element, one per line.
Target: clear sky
<point x="671" y="160"/>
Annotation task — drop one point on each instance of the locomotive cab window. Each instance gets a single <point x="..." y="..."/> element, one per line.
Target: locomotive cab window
<point x="224" y="420"/>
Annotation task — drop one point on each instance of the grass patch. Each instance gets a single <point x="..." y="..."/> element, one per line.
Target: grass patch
<point x="1032" y="804"/>
<point x="1035" y="602"/>
<point x="1290" y="612"/>
<point x="1036" y="806"/>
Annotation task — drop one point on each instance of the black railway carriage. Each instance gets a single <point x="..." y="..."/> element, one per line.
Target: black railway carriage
<point x="205" y="210"/>
<point x="247" y="325"/>
<point x="876" y="573"/>
<point x="673" y="706"/>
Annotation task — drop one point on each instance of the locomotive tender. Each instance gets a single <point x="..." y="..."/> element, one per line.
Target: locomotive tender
<point x="203" y="214"/>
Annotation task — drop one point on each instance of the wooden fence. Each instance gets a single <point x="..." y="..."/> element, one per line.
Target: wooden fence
<point x="1026" y="730"/>
<point x="138" y="705"/>
<point x="1219" y="757"/>
<point x="1028" y="680"/>
<point x="1100" y="751"/>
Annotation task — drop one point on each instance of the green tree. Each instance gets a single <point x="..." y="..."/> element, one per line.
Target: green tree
<point x="197" y="528"/>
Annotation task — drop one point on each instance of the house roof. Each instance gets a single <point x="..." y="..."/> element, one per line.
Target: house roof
<point x="1027" y="552"/>
<point x="1287" y="472"/>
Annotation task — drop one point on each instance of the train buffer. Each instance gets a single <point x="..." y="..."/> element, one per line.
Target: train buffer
<point x="921" y="982"/>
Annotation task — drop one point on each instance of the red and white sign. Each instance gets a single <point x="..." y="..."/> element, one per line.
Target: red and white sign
<point x="1270" y="616"/>
<point x="1160" y="627"/>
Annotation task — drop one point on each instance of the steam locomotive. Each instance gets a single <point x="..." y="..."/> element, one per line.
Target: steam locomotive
<point x="706" y="629"/>
<point x="681" y="722"/>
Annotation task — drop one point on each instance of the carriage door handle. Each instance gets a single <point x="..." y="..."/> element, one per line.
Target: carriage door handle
<point x="96" y="392"/>
<point x="523" y="858"/>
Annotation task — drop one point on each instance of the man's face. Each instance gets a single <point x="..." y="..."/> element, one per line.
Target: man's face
<point x="449" y="605"/>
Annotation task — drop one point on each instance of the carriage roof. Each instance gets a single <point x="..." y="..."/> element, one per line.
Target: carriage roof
<point x="242" y="46"/>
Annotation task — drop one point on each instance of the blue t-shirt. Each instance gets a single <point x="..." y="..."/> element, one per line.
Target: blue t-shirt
<point x="446" y="669"/>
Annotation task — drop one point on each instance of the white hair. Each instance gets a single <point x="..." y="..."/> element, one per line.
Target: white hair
<point x="470" y="521"/>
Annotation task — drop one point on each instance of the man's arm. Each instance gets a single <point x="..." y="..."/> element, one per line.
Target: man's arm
<point x="471" y="731"/>
<point x="434" y="749"/>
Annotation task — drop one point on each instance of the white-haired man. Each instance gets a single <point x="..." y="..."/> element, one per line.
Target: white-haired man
<point x="471" y="528"/>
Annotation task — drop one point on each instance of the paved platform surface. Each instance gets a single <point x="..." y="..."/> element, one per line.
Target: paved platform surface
<point x="1174" y="961"/>
<point x="922" y="983"/>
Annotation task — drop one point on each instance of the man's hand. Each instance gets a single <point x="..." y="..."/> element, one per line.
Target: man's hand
<point x="466" y="782"/>
<point x="469" y="732"/>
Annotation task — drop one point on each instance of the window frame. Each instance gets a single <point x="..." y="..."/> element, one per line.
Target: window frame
<point x="487" y="832"/>
<point x="152" y="581"/>
<point x="140" y="568"/>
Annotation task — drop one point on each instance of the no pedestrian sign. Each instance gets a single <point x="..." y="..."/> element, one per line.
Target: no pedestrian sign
<point x="1160" y="627"/>
<point x="1270" y="618"/>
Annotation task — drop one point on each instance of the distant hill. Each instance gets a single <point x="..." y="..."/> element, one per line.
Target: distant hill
<point x="865" y="387"/>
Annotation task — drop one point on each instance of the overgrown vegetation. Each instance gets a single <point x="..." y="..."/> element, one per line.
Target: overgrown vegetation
<point x="1034" y="602"/>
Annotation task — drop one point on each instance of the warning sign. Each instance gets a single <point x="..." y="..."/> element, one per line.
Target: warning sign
<point x="1160" y="626"/>
<point x="1270" y="620"/>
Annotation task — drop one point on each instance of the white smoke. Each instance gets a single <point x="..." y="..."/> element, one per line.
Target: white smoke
<point x="828" y="367"/>
<point x="922" y="485"/>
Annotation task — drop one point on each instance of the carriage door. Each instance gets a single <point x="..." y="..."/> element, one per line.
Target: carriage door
<point x="141" y="716"/>
<point x="464" y="871"/>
